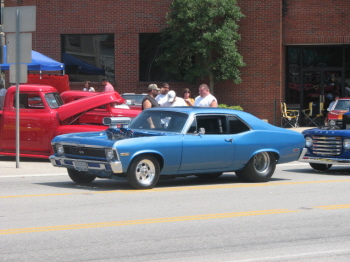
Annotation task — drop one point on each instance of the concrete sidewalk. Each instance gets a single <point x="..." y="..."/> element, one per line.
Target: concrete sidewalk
<point x="301" y="129"/>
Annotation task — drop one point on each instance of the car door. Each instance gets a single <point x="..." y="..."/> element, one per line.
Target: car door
<point x="213" y="150"/>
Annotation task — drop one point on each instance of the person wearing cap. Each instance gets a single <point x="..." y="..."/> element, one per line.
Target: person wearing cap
<point x="107" y="85"/>
<point x="149" y="101"/>
<point x="174" y="100"/>
<point x="205" y="99"/>
<point x="162" y="98"/>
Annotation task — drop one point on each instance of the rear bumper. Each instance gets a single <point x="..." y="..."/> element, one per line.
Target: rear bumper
<point x="91" y="165"/>
<point x="321" y="159"/>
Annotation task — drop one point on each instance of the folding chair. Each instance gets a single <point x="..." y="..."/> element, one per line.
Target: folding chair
<point x="314" y="114"/>
<point x="289" y="117"/>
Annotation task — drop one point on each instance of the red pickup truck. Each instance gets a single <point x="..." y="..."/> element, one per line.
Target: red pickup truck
<point x="43" y="115"/>
<point x="95" y="116"/>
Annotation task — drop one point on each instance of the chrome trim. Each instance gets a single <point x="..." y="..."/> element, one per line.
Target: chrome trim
<point x="116" y="166"/>
<point x="78" y="145"/>
<point x="322" y="160"/>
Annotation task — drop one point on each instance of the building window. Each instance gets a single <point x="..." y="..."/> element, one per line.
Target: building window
<point x="149" y="69"/>
<point x="88" y="57"/>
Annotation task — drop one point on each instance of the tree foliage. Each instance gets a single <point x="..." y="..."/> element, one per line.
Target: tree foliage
<point x="200" y="40"/>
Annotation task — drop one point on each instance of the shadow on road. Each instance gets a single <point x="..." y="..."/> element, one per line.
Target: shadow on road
<point x="109" y="184"/>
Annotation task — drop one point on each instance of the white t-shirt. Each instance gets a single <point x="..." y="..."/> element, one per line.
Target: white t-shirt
<point x="178" y="102"/>
<point x="204" y="101"/>
<point x="162" y="99"/>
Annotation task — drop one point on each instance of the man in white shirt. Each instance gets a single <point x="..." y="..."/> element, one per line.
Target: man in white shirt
<point x="163" y="96"/>
<point x="174" y="100"/>
<point x="205" y="99"/>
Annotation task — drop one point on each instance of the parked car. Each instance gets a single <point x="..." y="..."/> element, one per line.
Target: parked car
<point x="178" y="141"/>
<point x="327" y="146"/>
<point x="95" y="116"/>
<point x="134" y="101"/>
<point x="336" y="111"/>
<point x="43" y="115"/>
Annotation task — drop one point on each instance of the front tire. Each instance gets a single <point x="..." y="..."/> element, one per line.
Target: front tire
<point x="260" y="168"/>
<point x="320" y="167"/>
<point x="143" y="173"/>
<point x="80" y="177"/>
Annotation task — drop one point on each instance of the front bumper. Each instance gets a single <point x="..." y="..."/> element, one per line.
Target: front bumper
<point x="322" y="160"/>
<point x="89" y="166"/>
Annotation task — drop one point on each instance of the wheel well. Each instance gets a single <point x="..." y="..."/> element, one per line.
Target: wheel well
<point x="157" y="156"/>
<point x="277" y="156"/>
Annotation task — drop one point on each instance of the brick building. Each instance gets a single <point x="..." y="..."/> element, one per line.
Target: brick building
<point x="297" y="51"/>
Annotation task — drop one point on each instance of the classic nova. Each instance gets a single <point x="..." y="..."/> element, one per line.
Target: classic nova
<point x="177" y="141"/>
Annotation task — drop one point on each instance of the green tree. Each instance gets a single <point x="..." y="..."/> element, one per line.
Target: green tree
<point x="200" y="40"/>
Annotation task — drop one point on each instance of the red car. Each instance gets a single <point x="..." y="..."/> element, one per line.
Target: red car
<point x="336" y="110"/>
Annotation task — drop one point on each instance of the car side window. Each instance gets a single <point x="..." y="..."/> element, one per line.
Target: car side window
<point x="236" y="125"/>
<point x="212" y="124"/>
<point x="29" y="101"/>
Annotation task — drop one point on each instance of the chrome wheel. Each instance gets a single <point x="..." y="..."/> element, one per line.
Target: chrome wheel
<point x="262" y="162"/>
<point x="145" y="172"/>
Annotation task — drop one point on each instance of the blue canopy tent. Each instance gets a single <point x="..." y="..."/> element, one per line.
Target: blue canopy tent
<point x="80" y="66"/>
<point x="39" y="62"/>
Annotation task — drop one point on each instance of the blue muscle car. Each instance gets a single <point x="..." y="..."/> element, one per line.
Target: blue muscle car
<point x="177" y="141"/>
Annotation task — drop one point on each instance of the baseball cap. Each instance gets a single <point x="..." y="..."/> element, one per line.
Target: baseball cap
<point x="153" y="86"/>
<point x="171" y="96"/>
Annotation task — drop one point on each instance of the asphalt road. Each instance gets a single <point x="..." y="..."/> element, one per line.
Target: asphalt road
<point x="300" y="215"/>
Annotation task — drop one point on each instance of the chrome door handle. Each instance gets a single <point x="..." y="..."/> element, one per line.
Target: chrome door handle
<point x="229" y="140"/>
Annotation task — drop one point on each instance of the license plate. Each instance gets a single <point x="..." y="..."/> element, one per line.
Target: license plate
<point x="81" y="166"/>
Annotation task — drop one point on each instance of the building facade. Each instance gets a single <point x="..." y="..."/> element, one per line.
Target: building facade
<point x="296" y="51"/>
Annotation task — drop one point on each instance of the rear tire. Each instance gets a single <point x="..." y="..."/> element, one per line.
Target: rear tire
<point x="320" y="167"/>
<point x="80" y="177"/>
<point x="143" y="173"/>
<point x="260" y="168"/>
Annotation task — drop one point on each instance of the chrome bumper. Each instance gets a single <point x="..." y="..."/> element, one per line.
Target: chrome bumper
<point x="322" y="160"/>
<point x="113" y="167"/>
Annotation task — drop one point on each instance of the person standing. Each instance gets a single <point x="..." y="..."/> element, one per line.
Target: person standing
<point x="174" y="100"/>
<point x="205" y="99"/>
<point x="2" y="95"/>
<point x="187" y="97"/>
<point x="162" y="98"/>
<point x="107" y="85"/>
<point x="88" y="88"/>
<point x="149" y="101"/>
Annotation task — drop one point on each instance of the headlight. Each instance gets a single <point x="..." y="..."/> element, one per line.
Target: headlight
<point x="346" y="143"/>
<point x="308" y="141"/>
<point x="332" y="122"/>
<point x="109" y="154"/>
<point x="59" y="149"/>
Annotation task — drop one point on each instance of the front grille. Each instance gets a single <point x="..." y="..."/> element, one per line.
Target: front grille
<point x="327" y="145"/>
<point x="84" y="151"/>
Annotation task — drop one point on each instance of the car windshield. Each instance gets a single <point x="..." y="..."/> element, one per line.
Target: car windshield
<point x="342" y="105"/>
<point x="54" y="100"/>
<point x="160" y="121"/>
<point x="133" y="99"/>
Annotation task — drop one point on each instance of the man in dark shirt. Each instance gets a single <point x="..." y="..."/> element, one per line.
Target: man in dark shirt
<point x="149" y="101"/>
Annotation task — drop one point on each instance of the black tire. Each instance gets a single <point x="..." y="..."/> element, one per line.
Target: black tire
<point x="260" y="168"/>
<point x="143" y="173"/>
<point x="80" y="177"/>
<point x="210" y="175"/>
<point x="320" y="167"/>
